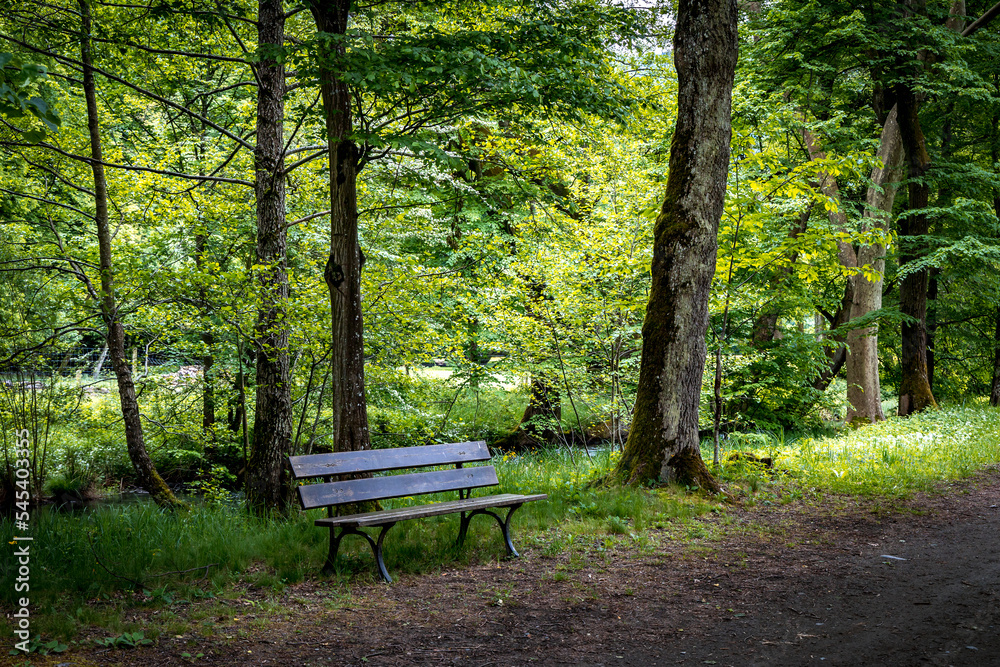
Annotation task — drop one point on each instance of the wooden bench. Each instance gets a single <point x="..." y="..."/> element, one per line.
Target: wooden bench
<point x="332" y="494"/>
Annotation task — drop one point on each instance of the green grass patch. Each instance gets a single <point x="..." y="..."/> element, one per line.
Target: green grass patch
<point x="892" y="458"/>
<point x="87" y="567"/>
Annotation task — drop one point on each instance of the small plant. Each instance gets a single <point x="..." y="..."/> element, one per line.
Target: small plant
<point x="36" y="645"/>
<point x="161" y="594"/>
<point x="124" y="640"/>
<point x="191" y="658"/>
<point x="618" y="526"/>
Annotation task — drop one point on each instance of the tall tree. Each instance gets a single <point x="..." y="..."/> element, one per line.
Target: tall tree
<point x="663" y="443"/>
<point x="342" y="272"/>
<point x="145" y="471"/>
<point x="266" y="486"/>
<point x="915" y="390"/>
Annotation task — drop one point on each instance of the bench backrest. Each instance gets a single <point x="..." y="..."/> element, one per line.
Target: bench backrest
<point x="391" y="486"/>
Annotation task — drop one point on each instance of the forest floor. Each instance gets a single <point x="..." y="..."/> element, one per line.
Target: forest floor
<point x="787" y="584"/>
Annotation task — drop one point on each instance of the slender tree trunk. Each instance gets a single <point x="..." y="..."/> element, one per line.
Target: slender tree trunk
<point x="343" y="267"/>
<point x="995" y="389"/>
<point x="96" y="375"/>
<point x="932" y="321"/>
<point x="208" y="391"/>
<point x="267" y="484"/>
<point x="995" y="154"/>
<point x="864" y="391"/>
<point x="208" y="338"/>
<point x="915" y="390"/>
<point x="836" y="355"/>
<point x="145" y="471"/>
<point x="663" y="443"/>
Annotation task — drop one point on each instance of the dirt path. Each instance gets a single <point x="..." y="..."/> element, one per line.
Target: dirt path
<point x="784" y="585"/>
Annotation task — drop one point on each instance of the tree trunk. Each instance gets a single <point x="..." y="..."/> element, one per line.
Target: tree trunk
<point x="864" y="391"/>
<point x="208" y="390"/>
<point x="145" y="471"/>
<point x="995" y="390"/>
<point x="915" y="390"/>
<point x="540" y="420"/>
<point x="266" y="481"/>
<point x="208" y="338"/>
<point x="663" y="442"/>
<point x="343" y="267"/>
<point x="932" y="322"/>
<point x="995" y="154"/>
<point x="96" y="375"/>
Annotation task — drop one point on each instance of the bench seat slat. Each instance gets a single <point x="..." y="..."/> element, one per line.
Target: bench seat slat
<point x="432" y="509"/>
<point x="380" y="460"/>
<point x="396" y="486"/>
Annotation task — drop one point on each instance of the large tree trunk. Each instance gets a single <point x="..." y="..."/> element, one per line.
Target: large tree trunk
<point x="145" y="471"/>
<point x="915" y="390"/>
<point x="266" y="485"/>
<point x="663" y="442"/>
<point x="343" y="267"/>
<point x="864" y="391"/>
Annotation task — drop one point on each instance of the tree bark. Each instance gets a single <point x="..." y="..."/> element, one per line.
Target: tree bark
<point x="663" y="442"/>
<point x="145" y="471"/>
<point x="995" y="155"/>
<point x="208" y="338"/>
<point x="343" y="267"/>
<point x="864" y="391"/>
<point x="932" y="321"/>
<point x="914" y="391"/>
<point x="540" y="420"/>
<point x="995" y="390"/>
<point x="266" y="481"/>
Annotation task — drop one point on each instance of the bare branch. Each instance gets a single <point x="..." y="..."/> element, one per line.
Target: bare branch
<point x="130" y="167"/>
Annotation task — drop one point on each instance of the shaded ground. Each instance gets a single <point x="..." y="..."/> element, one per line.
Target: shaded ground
<point x="781" y="585"/>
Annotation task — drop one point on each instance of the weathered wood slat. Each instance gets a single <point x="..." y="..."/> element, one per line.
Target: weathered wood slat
<point x="433" y="509"/>
<point x="379" y="460"/>
<point x="396" y="486"/>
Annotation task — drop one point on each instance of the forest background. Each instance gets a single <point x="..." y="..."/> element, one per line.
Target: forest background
<point x="288" y="229"/>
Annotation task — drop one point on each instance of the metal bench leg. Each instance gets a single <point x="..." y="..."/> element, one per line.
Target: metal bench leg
<point x="463" y="528"/>
<point x="375" y="545"/>
<point x="331" y="556"/>
<point x="503" y="523"/>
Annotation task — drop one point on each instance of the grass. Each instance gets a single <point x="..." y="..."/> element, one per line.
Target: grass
<point x="86" y="568"/>
<point x="893" y="458"/>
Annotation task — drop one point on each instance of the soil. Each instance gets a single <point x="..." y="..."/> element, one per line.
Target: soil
<point x="845" y="582"/>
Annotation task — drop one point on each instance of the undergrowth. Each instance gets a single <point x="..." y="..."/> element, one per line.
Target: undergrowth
<point x="892" y="458"/>
<point x="89" y="568"/>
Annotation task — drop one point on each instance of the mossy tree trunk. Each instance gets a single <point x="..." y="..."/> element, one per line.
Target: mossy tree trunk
<point x="995" y="390"/>
<point x="346" y="260"/>
<point x="915" y="389"/>
<point x="266" y="481"/>
<point x="995" y="154"/>
<point x="135" y="443"/>
<point x="864" y="390"/>
<point x="663" y="443"/>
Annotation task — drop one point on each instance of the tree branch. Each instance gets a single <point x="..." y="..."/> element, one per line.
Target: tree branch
<point x="982" y="21"/>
